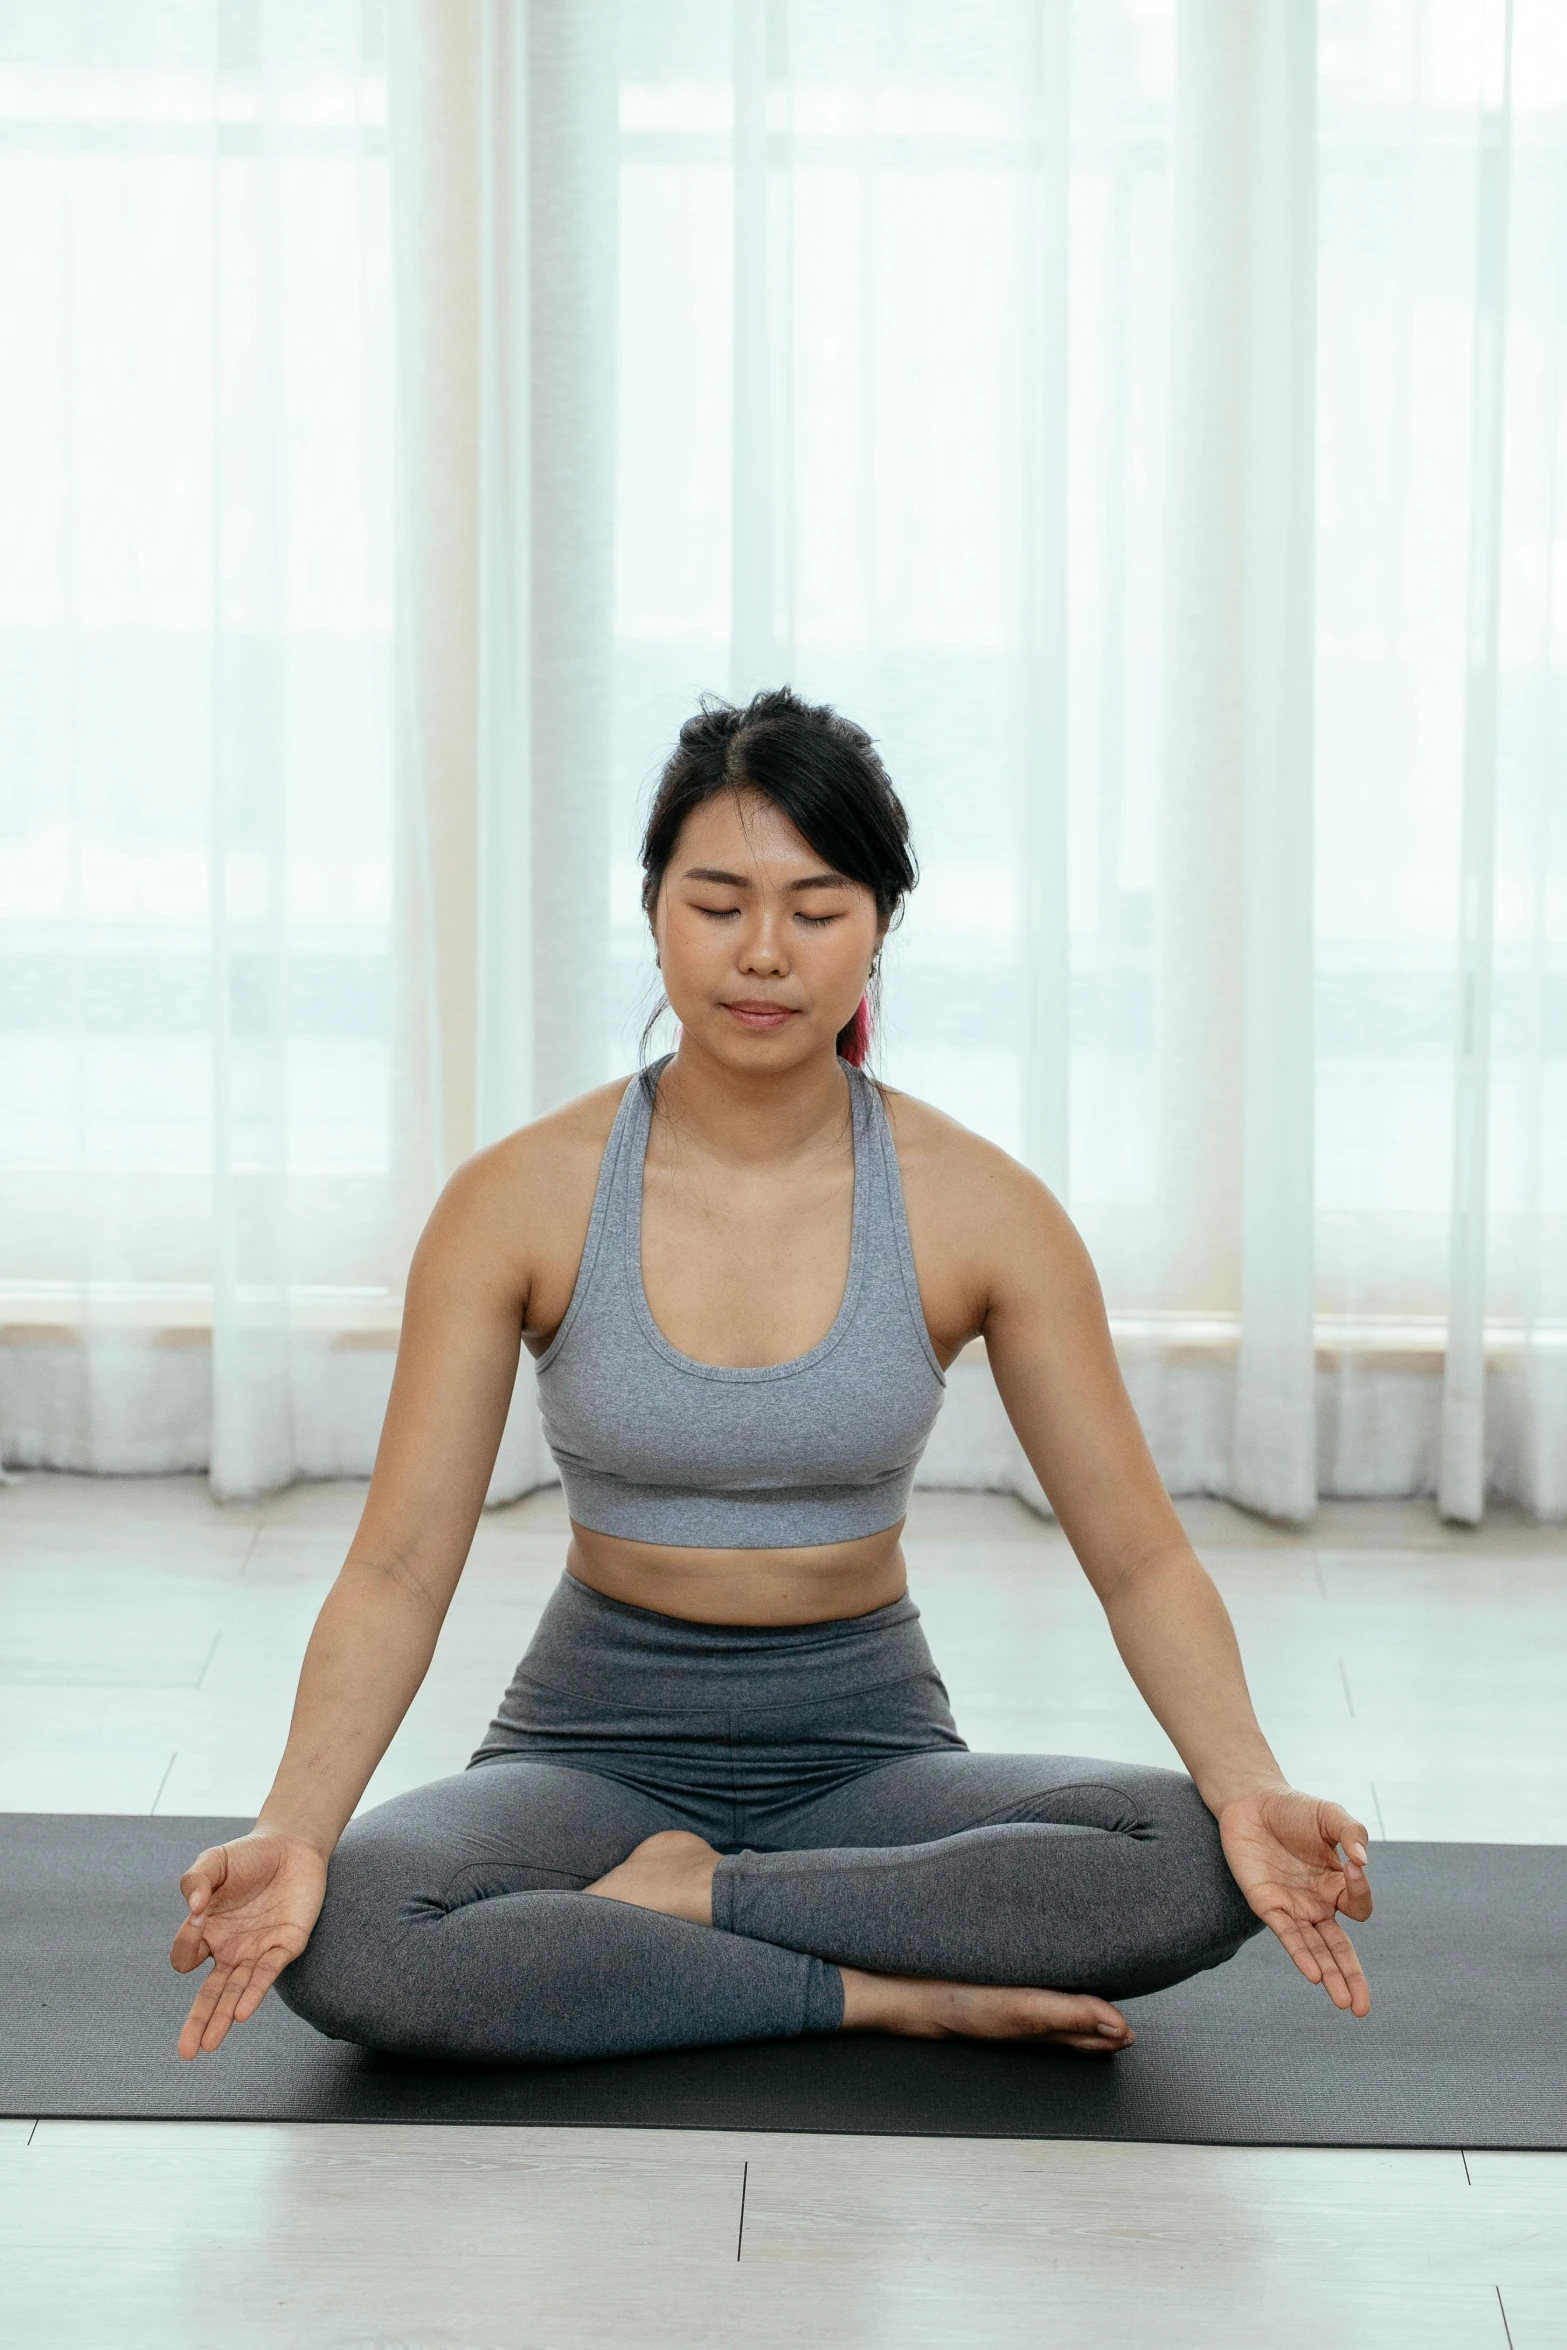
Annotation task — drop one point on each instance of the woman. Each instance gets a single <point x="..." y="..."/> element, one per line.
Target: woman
<point x="724" y="1798"/>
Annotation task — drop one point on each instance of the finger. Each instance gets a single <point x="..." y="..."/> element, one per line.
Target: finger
<point x="201" y="2008"/>
<point x="263" y="1975"/>
<point x="1342" y="1976"/>
<point x="1331" y="1974"/>
<point x="1347" y="1969"/>
<point x="189" y="1948"/>
<point x="1286" y="1931"/>
<point x="223" y="2014"/>
<point x="1341" y="1827"/>
<point x="205" y="1874"/>
<point x="1355" y="1900"/>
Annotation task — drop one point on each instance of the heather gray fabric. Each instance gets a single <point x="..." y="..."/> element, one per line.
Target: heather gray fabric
<point x="823" y="1761"/>
<point x="657" y="1447"/>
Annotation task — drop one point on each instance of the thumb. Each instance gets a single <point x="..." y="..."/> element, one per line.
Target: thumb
<point x="1342" y="1828"/>
<point x="202" y="1879"/>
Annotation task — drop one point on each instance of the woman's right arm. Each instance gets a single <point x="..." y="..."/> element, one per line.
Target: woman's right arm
<point x="252" y="1903"/>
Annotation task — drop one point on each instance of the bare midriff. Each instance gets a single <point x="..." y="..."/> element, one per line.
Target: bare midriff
<point x="823" y="1583"/>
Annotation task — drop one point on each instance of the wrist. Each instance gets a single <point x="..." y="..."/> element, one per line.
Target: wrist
<point x="321" y="1841"/>
<point x="1223" y="1788"/>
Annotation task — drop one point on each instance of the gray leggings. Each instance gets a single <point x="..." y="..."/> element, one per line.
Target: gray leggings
<point x="857" y="1828"/>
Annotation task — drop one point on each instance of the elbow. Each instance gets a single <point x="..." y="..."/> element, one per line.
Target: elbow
<point x="389" y="1585"/>
<point x="1128" y="1582"/>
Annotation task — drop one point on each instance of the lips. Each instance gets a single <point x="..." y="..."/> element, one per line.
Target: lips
<point x="762" y="1017"/>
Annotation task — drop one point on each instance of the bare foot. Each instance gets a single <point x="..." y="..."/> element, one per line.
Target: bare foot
<point x="671" y="1872"/>
<point x="922" y="2010"/>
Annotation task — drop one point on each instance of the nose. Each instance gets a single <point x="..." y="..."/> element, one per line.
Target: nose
<point x="764" y="950"/>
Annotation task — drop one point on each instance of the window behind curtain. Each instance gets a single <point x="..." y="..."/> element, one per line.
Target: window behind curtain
<point x="195" y="616"/>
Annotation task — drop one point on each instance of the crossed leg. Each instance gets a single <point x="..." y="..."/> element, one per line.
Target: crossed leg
<point x="935" y="1876"/>
<point x="999" y="1868"/>
<point x="459" y="1919"/>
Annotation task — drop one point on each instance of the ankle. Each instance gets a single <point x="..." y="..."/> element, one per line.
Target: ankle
<point x="871" y="2003"/>
<point x="671" y="1871"/>
<point x="691" y="1865"/>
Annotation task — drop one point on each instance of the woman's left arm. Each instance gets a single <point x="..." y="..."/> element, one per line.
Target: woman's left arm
<point x="1299" y="1860"/>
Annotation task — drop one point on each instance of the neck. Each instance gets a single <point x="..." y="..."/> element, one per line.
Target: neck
<point x="754" y="1116"/>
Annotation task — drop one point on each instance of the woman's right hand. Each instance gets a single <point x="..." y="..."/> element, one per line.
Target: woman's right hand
<point x="252" y="1906"/>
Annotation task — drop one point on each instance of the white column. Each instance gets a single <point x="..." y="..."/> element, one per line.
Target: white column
<point x="1275" y="1462"/>
<point x="761" y="627"/>
<point x="253" y="1448"/>
<point x="1234" y="907"/>
<point x="1046" y="929"/>
<point x="573" y="185"/>
<point x="505" y="930"/>
<point x="1461" y="1468"/>
<point x="435" y="181"/>
<point x="504" y="130"/>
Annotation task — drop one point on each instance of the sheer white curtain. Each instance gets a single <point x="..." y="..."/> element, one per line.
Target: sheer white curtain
<point x="1442" y="758"/>
<point x="1146" y="415"/>
<point x="1150" y="421"/>
<point x="202" y="1219"/>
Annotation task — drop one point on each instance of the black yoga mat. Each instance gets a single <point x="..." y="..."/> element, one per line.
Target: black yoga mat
<point x="1466" y="2044"/>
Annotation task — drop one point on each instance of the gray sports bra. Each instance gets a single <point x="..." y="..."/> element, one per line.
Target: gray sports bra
<point x="657" y="1447"/>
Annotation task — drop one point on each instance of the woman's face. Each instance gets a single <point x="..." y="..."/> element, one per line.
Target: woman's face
<point x="765" y="949"/>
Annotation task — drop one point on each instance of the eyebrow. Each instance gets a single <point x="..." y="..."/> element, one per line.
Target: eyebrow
<point x="742" y="881"/>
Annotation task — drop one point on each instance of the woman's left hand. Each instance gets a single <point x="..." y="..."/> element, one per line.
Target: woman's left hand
<point x="1284" y="1853"/>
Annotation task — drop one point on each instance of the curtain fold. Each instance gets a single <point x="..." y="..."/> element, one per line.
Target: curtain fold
<point x="1150" y="420"/>
<point x="1234" y="907"/>
<point x="1044" y="487"/>
<point x="761" y="490"/>
<point x="1275" y="1400"/>
<point x="1442" y="1206"/>
<point x="1462" y="1479"/>
<point x="195" y="1188"/>
<point x="503" y="129"/>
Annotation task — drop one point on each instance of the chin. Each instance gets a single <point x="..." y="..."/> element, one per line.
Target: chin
<point x="778" y="1048"/>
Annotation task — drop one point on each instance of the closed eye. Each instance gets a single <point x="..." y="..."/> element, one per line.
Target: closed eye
<point x="729" y="913"/>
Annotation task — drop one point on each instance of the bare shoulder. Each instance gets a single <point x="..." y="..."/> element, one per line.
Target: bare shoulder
<point x="559" y="1147"/>
<point x="975" y="1182"/>
<point x="982" y="1226"/>
<point x="539" y="1160"/>
<point x="522" y="1205"/>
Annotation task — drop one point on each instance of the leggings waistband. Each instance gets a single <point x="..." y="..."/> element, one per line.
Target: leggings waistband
<point x="633" y="1657"/>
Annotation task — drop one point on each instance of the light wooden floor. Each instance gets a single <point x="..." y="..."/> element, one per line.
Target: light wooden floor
<point x="148" y="1645"/>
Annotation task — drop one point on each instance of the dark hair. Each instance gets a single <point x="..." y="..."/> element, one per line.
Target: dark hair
<point x="817" y="768"/>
